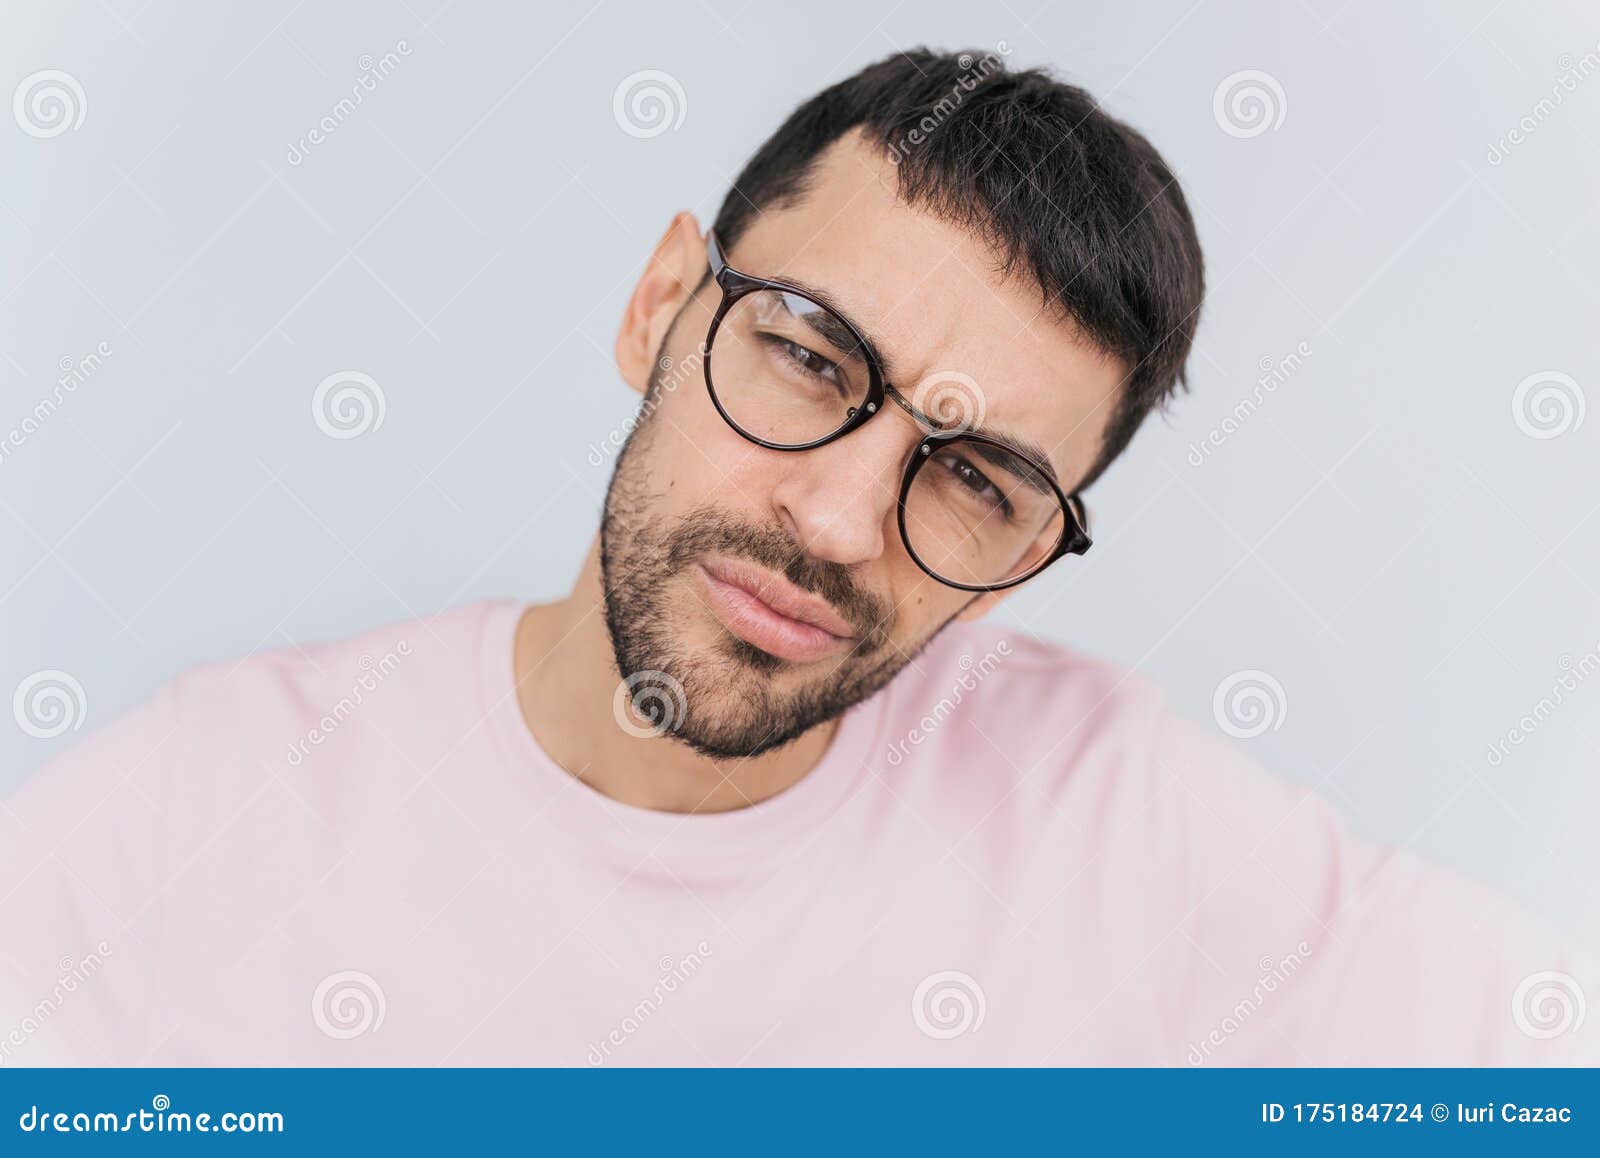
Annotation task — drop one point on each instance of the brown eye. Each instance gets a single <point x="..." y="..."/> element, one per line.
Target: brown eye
<point x="974" y="480"/>
<point x="808" y="362"/>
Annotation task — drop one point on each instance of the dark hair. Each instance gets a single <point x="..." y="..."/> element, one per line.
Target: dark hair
<point x="1046" y="177"/>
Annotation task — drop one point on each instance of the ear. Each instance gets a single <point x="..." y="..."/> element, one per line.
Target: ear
<point x="675" y="267"/>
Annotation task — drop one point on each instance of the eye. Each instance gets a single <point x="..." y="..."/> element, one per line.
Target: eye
<point x="808" y="362"/>
<point x="976" y="481"/>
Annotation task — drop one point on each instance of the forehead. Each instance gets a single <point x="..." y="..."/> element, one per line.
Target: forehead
<point x="930" y="297"/>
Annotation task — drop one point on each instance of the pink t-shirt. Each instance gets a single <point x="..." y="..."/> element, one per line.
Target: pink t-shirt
<point x="358" y="854"/>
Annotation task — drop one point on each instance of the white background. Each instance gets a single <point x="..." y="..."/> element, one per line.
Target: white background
<point x="1382" y="535"/>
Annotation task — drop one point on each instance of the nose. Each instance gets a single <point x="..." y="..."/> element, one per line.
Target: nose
<point x="839" y="500"/>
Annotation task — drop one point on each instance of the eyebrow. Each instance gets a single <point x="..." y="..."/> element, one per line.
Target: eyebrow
<point x="1031" y="452"/>
<point x="832" y="327"/>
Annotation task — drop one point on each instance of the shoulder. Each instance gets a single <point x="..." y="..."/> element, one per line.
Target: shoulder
<point x="306" y="681"/>
<point x="1072" y="781"/>
<point x="1005" y="671"/>
<point x="315" y="726"/>
<point x="1011" y="724"/>
<point x="1018" y="706"/>
<point x="1064" y="720"/>
<point x="211" y="737"/>
<point x="1073" y="761"/>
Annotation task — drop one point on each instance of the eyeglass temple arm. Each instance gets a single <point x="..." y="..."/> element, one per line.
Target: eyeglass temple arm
<point x="714" y="254"/>
<point x="1080" y="512"/>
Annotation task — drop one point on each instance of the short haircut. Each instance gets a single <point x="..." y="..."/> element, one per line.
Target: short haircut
<point x="1048" y="179"/>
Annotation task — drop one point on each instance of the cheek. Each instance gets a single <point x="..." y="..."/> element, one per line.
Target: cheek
<point x="922" y="604"/>
<point x="695" y="459"/>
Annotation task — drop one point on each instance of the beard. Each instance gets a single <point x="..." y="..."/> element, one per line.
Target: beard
<point x="725" y="701"/>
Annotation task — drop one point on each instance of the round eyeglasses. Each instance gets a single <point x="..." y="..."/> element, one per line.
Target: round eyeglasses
<point x="789" y="373"/>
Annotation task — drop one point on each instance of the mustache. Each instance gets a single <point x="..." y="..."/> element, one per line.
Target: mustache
<point x="706" y="530"/>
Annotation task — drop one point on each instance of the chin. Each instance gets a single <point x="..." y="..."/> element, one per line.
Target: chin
<point x="726" y="729"/>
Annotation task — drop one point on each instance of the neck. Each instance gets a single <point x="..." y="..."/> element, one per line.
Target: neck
<point x="566" y="683"/>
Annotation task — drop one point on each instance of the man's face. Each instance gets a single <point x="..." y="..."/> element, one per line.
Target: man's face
<point x="773" y="585"/>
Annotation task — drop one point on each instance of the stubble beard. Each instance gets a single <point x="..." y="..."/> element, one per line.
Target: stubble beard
<point x="732" y="706"/>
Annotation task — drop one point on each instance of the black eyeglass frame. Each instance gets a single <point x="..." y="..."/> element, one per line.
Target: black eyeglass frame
<point x="736" y="284"/>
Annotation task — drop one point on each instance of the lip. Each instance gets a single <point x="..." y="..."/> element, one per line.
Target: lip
<point x="769" y="612"/>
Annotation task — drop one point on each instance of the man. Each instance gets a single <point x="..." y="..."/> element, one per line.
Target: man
<point x="764" y="789"/>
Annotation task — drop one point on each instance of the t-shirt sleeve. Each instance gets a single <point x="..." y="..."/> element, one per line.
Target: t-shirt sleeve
<point x="1305" y="944"/>
<point x="82" y="867"/>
